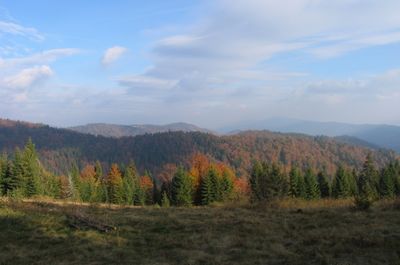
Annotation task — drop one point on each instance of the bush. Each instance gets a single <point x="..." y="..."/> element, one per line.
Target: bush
<point x="362" y="203"/>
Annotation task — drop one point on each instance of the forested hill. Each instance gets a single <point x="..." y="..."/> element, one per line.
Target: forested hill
<point x="60" y="148"/>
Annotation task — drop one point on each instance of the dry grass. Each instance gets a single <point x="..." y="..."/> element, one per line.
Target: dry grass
<point x="286" y="232"/>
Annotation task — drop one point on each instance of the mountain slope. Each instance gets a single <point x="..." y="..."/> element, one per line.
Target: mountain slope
<point x="61" y="148"/>
<point x="114" y="130"/>
<point x="386" y="136"/>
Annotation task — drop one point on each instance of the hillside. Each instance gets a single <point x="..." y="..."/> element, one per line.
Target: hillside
<point x="114" y="130"/>
<point x="61" y="148"/>
<point x="384" y="136"/>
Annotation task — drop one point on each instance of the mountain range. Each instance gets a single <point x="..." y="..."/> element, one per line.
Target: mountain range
<point x="384" y="136"/>
<point x="368" y="135"/>
<point x="62" y="149"/>
<point x="115" y="130"/>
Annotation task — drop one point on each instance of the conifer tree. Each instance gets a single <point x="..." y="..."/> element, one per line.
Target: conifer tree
<point x="114" y="184"/>
<point x="387" y="184"/>
<point x="367" y="180"/>
<point x="208" y="188"/>
<point x="341" y="183"/>
<point x="311" y="184"/>
<point x="226" y="186"/>
<point x="3" y="171"/>
<point x="98" y="171"/>
<point x="182" y="188"/>
<point x="165" y="202"/>
<point x="294" y="183"/>
<point x="267" y="181"/>
<point x="31" y="170"/>
<point x="129" y="184"/>
<point x="147" y="188"/>
<point x="323" y="184"/>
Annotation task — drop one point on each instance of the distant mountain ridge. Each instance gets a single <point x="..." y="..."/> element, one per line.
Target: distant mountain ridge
<point x="384" y="136"/>
<point x="117" y="131"/>
<point x="61" y="149"/>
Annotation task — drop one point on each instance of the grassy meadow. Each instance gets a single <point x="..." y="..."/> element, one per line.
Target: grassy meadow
<point x="284" y="232"/>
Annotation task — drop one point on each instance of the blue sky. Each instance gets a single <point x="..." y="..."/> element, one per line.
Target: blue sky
<point x="212" y="63"/>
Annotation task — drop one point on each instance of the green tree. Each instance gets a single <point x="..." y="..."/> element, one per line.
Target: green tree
<point x="226" y="186"/>
<point x="341" y="183"/>
<point x="267" y="181"/>
<point x="296" y="183"/>
<point x="209" y="187"/>
<point x="367" y="180"/>
<point x="311" y="184"/>
<point x="165" y="202"/>
<point x="323" y="184"/>
<point x="129" y="184"/>
<point x="387" y="184"/>
<point x="114" y="184"/>
<point x="182" y="188"/>
<point x="31" y="171"/>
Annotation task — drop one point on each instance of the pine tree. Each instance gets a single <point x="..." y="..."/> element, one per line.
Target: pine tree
<point x="130" y="182"/>
<point x="3" y="171"/>
<point x="311" y="184"/>
<point x="387" y="184"/>
<point x="294" y="183"/>
<point x="31" y="170"/>
<point x="182" y="188"/>
<point x="114" y="184"/>
<point x="207" y="187"/>
<point x="341" y="183"/>
<point x="367" y="180"/>
<point x="165" y="202"/>
<point x="323" y="184"/>
<point x="267" y="182"/>
<point x="226" y="186"/>
<point x="99" y="171"/>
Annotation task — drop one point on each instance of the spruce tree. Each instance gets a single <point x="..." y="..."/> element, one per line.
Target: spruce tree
<point x="207" y="189"/>
<point x="226" y="186"/>
<point x="294" y="183"/>
<point x="367" y="179"/>
<point x="323" y="184"/>
<point x="114" y="184"/>
<point x="341" y="183"/>
<point x="31" y="170"/>
<point x="311" y="184"/>
<point x="165" y="202"/>
<point x="182" y="188"/>
<point x="387" y="184"/>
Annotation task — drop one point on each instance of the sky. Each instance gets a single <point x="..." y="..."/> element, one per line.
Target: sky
<point x="211" y="62"/>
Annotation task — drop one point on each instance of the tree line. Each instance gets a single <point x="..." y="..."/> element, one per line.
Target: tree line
<point x="268" y="181"/>
<point x="202" y="183"/>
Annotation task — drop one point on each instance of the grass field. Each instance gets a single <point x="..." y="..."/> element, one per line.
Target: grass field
<point x="288" y="232"/>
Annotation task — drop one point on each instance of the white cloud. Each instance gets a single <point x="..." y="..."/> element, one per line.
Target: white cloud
<point x="44" y="57"/>
<point x="113" y="54"/>
<point x="16" y="29"/>
<point x="28" y="77"/>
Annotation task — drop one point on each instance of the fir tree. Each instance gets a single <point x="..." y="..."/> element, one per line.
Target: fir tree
<point x="387" y="184"/>
<point x="207" y="187"/>
<point x="267" y="181"/>
<point x="165" y="202"/>
<point x="311" y="184"/>
<point x="114" y="184"/>
<point x="294" y="183"/>
<point x="341" y="183"/>
<point x="323" y="184"/>
<point x="226" y="186"/>
<point x="182" y="188"/>
<point x="367" y="179"/>
<point x="31" y="170"/>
